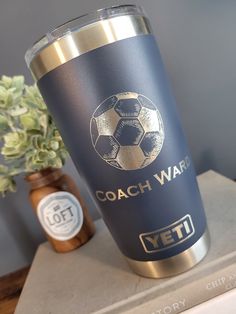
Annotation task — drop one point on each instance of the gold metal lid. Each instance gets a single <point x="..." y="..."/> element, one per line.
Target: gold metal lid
<point x="84" y="34"/>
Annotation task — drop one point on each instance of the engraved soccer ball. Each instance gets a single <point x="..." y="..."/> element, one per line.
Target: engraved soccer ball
<point x="127" y="131"/>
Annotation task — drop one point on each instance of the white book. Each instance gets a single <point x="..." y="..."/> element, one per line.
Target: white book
<point x="222" y="304"/>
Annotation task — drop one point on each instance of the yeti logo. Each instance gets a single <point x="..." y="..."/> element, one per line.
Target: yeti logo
<point x="127" y="131"/>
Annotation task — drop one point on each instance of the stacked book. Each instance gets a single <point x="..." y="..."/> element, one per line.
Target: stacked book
<point x="96" y="278"/>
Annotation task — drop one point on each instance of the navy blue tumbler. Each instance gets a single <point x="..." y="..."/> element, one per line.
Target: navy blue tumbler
<point x="103" y="80"/>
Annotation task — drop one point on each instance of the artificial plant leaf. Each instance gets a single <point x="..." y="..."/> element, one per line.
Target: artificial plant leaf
<point x="18" y="82"/>
<point x="54" y="145"/>
<point x="7" y="184"/>
<point x="15" y="144"/>
<point x="29" y="121"/>
<point x="43" y="120"/>
<point x="17" y="111"/>
<point x="3" y="169"/>
<point x="6" y="81"/>
<point x="3" y="123"/>
<point x="56" y="162"/>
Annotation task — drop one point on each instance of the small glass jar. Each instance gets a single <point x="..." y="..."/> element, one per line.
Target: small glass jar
<point x="60" y="209"/>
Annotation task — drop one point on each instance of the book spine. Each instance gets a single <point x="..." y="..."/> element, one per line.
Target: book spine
<point x="189" y="295"/>
<point x="181" y="299"/>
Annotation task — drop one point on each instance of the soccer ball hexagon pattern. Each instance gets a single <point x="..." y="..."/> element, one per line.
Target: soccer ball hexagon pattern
<point x="127" y="131"/>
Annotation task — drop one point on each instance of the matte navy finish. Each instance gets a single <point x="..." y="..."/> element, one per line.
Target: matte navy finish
<point x="74" y="90"/>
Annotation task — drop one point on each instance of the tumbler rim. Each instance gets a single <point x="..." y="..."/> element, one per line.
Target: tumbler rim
<point x="78" y="23"/>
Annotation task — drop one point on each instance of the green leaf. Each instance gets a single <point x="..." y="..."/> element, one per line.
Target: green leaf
<point x="17" y="111"/>
<point x="33" y="98"/>
<point x="42" y="156"/>
<point x="7" y="184"/>
<point x="3" y="123"/>
<point x="29" y="122"/>
<point x="3" y="97"/>
<point x="3" y="169"/>
<point x="6" y="81"/>
<point x="56" y="163"/>
<point x="15" y="144"/>
<point x="54" y="145"/>
<point x="43" y="120"/>
<point x="18" y="82"/>
<point x="2" y="92"/>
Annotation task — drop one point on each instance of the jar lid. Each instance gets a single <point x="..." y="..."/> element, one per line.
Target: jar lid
<point x="43" y="177"/>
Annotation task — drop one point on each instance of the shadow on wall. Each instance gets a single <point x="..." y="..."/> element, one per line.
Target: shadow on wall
<point x="18" y="228"/>
<point x="206" y="158"/>
<point x="20" y="232"/>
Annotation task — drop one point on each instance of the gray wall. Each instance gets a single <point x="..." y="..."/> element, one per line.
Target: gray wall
<point x="197" y="40"/>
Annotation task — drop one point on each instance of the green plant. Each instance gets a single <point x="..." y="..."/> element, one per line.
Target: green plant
<point x="30" y="140"/>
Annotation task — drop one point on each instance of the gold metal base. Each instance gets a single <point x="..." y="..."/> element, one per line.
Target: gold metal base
<point x="173" y="265"/>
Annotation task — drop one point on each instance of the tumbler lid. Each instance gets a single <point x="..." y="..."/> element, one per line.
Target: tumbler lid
<point x="85" y="33"/>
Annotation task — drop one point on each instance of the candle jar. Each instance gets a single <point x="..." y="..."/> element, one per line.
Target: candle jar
<point x="60" y="209"/>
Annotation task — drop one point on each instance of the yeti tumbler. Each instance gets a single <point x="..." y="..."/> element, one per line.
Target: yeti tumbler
<point x="103" y="80"/>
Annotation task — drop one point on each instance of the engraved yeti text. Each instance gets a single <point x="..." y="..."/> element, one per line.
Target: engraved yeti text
<point x="169" y="236"/>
